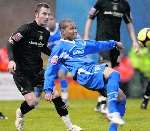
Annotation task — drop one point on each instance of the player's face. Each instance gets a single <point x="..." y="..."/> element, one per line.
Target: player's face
<point x="42" y="16"/>
<point x="70" y="31"/>
<point x="51" y="23"/>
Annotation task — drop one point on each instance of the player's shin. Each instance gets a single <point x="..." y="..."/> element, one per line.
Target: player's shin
<point x="25" y="108"/>
<point x="20" y="112"/>
<point x="62" y="111"/>
<point x="112" y="93"/>
<point x="121" y="108"/>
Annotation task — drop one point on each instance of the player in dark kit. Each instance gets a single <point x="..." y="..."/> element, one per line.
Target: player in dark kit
<point x="26" y="65"/>
<point x="109" y="14"/>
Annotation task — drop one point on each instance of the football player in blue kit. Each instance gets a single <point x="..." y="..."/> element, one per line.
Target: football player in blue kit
<point x="71" y="53"/>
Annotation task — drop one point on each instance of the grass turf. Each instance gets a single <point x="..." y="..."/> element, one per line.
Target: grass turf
<point x="44" y="118"/>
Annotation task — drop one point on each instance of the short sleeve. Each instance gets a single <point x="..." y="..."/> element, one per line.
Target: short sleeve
<point x="20" y="33"/>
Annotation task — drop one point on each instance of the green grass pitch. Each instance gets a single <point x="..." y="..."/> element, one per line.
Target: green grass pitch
<point x="44" y="118"/>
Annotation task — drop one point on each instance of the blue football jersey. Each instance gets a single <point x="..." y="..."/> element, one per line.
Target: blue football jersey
<point x="72" y="54"/>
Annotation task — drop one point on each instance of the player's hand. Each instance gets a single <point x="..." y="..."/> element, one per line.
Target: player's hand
<point x="12" y="66"/>
<point x="119" y="45"/>
<point x="136" y="47"/>
<point x="48" y="96"/>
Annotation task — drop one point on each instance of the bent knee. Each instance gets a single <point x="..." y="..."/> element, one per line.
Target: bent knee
<point x="31" y="99"/>
<point x="55" y="94"/>
<point x="108" y="71"/>
<point x="32" y="102"/>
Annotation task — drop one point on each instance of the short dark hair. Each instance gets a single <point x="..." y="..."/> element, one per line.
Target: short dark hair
<point x="40" y="5"/>
<point x="63" y="23"/>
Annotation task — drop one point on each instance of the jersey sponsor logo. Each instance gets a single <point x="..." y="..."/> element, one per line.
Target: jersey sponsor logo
<point x="115" y="7"/>
<point x="78" y="52"/>
<point x="54" y="60"/>
<point x="40" y="44"/>
<point x="114" y="13"/>
<point x="17" y="37"/>
<point x="40" y="37"/>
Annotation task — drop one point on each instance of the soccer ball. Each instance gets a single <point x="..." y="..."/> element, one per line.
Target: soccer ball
<point x="144" y="37"/>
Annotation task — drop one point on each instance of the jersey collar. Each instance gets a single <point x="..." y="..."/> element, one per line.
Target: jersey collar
<point x="73" y="42"/>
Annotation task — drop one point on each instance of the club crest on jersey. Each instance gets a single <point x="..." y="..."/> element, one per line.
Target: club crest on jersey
<point x="115" y="7"/>
<point x="54" y="60"/>
<point x="17" y="37"/>
<point x="10" y="40"/>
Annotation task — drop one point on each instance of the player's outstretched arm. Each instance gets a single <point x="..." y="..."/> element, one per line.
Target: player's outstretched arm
<point x="93" y="46"/>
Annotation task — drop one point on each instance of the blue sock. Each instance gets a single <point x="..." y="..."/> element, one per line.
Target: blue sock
<point x="112" y="91"/>
<point x="64" y="85"/>
<point x="121" y="105"/>
<point x="113" y="127"/>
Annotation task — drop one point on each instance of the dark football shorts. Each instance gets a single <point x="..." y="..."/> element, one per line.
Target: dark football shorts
<point x="26" y="83"/>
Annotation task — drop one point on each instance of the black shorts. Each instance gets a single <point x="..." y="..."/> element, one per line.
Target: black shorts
<point x="111" y="56"/>
<point x="26" y="83"/>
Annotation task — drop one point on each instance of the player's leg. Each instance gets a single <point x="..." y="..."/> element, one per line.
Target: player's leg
<point x="62" y="111"/>
<point x="146" y="97"/>
<point x="93" y="79"/>
<point x="121" y="108"/>
<point x="116" y="98"/>
<point x="24" y="86"/>
<point x="60" y="106"/>
<point x="2" y="116"/>
<point x="26" y="106"/>
<point x="113" y="79"/>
